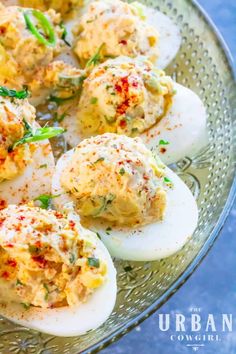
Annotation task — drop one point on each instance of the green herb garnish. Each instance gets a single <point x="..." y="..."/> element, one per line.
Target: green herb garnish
<point x="45" y="200"/>
<point x="39" y="134"/>
<point x="168" y="182"/>
<point x="48" y="37"/>
<point x="93" y="100"/>
<point x="163" y="142"/>
<point x="93" y="262"/>
<point x="96" y="58"/>
<point x="122" y="171"/>
<point x="5" y="92"/>
<point x="64" y="34"/>
<point x="43" y="166"/>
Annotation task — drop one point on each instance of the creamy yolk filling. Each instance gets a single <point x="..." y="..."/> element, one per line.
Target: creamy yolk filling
<point x="22" y="54"/>
<point x="47" y="259"/>
<point x="118" y="25"/>
<point x="116" y="178"/>
<point x="123" y="96"/>
<point x="13" y="114"/>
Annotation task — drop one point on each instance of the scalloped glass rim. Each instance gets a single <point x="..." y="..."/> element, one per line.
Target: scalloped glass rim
<point x="117" y="334"/>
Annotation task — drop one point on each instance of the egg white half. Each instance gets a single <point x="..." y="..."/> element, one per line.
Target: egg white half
<point x="169" y="36"/>
<point x="149" y="242"/>
<point x="67" y="321"/>
<point x="35" y="179"/>
<point x="183" y="127"/>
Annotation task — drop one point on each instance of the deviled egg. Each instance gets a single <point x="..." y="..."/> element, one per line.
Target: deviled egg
<point x="59" y="278"/>
<point x="123" y="28"/>
<point x="130" y="96"/>
<point x="140" y="208"/>
<point x="29" y="41"/>
<point x="26" y="159"/>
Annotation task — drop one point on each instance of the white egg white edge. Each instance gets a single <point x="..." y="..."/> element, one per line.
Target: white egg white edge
<point x="35" y="179"/>
<point x="169" y="36"/>
<point x="69" y="321"/>
<point x="151" y="242"/>
<point x="183" y="127"/>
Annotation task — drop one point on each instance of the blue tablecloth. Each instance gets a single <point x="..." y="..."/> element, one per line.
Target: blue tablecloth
<point x="212" y="288"/>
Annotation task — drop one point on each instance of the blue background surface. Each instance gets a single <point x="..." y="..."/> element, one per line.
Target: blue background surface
<point x="212" y="288"/>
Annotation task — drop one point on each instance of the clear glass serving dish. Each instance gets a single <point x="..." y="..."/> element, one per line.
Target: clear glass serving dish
<point x="203" y="64"/>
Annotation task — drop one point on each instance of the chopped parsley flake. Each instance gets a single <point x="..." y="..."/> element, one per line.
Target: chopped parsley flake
<point x="168" y="182"/>
<point x="122" y="171"/>
<point x="163" y="142"/>
<point x="100" y="159"/>
<point x="72" y="258"/>
<point x="93" y="262"/>
<point x="25" y="305"/>
<point x="93" y="100"/>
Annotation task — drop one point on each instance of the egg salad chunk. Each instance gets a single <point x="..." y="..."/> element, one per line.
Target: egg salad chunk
<point x="119" y="26"/>
<point x="52" y="266"/>
<point x="141" y="209"/>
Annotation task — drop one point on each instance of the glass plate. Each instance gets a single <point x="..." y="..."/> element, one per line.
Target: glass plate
<point x="203" y="64"/>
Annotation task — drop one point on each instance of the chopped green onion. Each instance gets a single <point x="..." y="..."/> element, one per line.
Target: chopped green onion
<point x="5" y="92"/>
<point x="96" y="58"/>
<point x="39" y="134"/>
<point x="163" y="142"/>
<point x="93" y="262"/>
<point x="64" y="34"/>
<point x="45" y="200"/>
<point x="93" y="100"/>
<point x="45" y="25"/>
